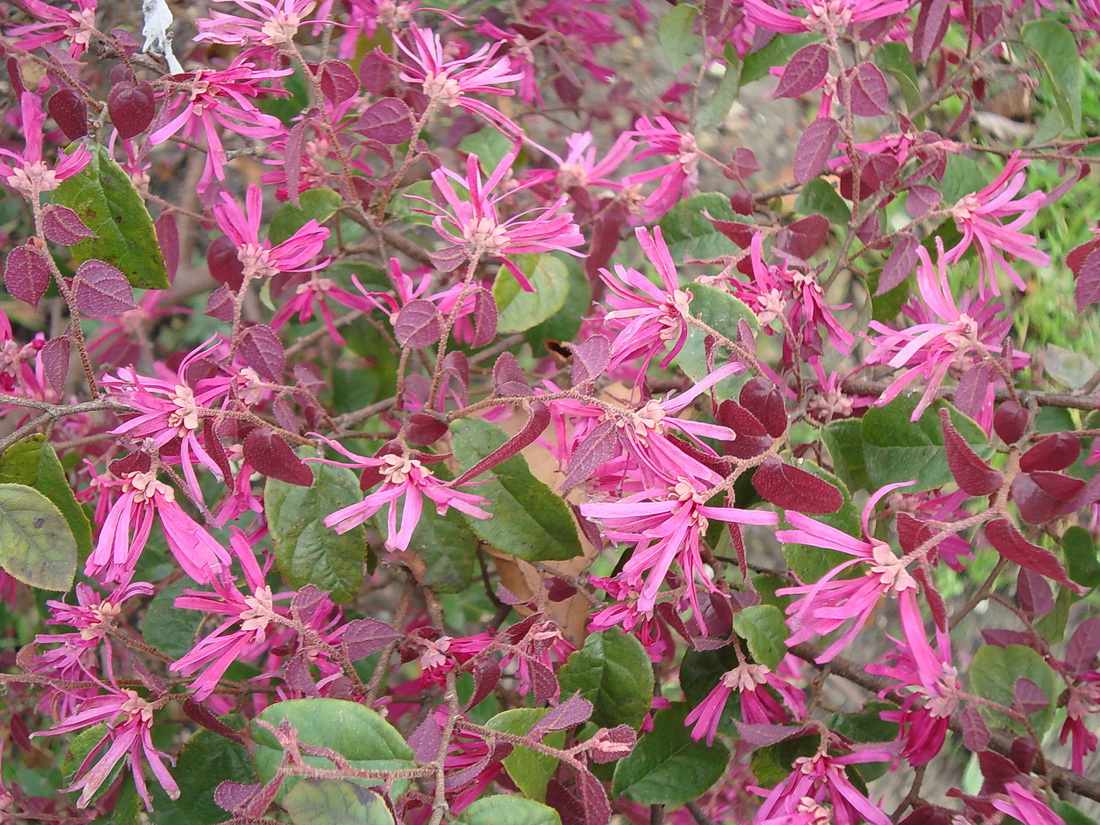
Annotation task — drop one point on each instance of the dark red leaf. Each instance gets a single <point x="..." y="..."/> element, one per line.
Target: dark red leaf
<point x="62" y="225"/>
<point x="921" y="200"/>
<point x="975" y="733"/>
<point x="869" y="91"/>
<point x="1010" y="422"/>
<point x="805" y="71"/>
<point x="389" y="121"/>
<point x="764" y="400"/>
<point x="262" y="350"/>
<point x="1044" y="495"/>
<point x="971" y="392"/>
<point x="598" y="447"/>
<point x="26" y="275"/>
<point x="216" y="449"/>
<point x="362" y="637"/>
<point x="614" y="743"/>
<point x="102" y="291"/>
<point x="338" y="81"/>
<point x="936" y="605"/>
<point x="752" y="437"/>
<point x="566" y="802"/>
<point x="424" y="428"/>
<point x="1028" y="697"/>
<point x="538" y="419"/>
<point x="220" y="305"/>
<point x="292" y="159"/>
<point x="1055" y="452"/>
<point x="606" y="233"/>
<point x="1014" y="547"/>
<point x="590" y="358"/>
<point x="269" y="455"/>
<point x="449" y="258"/>
<point x="509" y="378"/>
<point x="1024" y="749"/>
<point x="426" y="739"/>
<point x="485" y="317"/>
<point x="1083" y="646"/>
<point x="1033" y="593"/>
<point x="70" y="112"/>
<point x="168" y="237"/>
<point x="804" y="237"/>
<point x="200" y="714"/>
<point x="1075" y="260"/>
<point x="418" y="324"/>
<point x="298" y="677"/>
<point x="597" y="809"/>
<point x="224" y="265"/>
<point x="54" y="356"/>
<point x="930" y="30"/>
<point x="742" y="164"/>
<point x="570" y="713"/>
<point x="973" y="475"/>
<point x="794" y="489"/>
<point x="814" y="148"/>
<point x="375" y="72"/>
<point x="132" y="107"/>
<point x="738" y="232"/>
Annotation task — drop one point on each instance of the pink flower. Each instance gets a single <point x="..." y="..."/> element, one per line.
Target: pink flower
<point x="824" y="15"/>
<point x="27" y="173"/>
<point x="758" y="706"/>
<point x="1024" y="805"/>
<point x="275" y="23"/>
<point x="830" y="603"/>
<point x="475" y="227"/>
<point x="450" y="82"/>
<point x="259" y="258"/>
<point x="75" y="26"/>
<point x="581" y="169"/>
<point x="402" y="476"/>
<point x="679" y="176"/>
<point x="978" y="215"/>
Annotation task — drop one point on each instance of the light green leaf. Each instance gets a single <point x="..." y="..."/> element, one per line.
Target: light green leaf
<point x="844" y="440"/>
<point x="993" y="675"/>
<point x="613" y="672"/>
<point x="718" y="107"/>
<point x="778" y="52"/>
<point x="764" y="630"/>
<point x="721" y="312"/>
<point x="529" y="521"/>
<point x="316" y="205"/>
<point x="335" y="802"/>
<point x="1056" y="51"/>
<point x="898" y="60"/>
<point x="306" y="551"/>
<point x="509" y="810"/>
<point x="36" y="545"/>
<point x="520" y="310"/>
<point x="676" y="36"/>
<point x="819" y="197"/>
<point x="105" y="199"/>
<point x="1082" y="556"/>
<point x="448" y="548"/>
<point x="205" y="761"/>
<point x="530" y="770"/>
<point x="489" y="145"/>
<point x="166" y="627"/>
<point x="689" y="233"/>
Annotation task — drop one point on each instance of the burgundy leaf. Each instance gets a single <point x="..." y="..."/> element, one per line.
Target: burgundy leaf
<point x="805" y="71"/>
<point x="742" y="164"/>
<point x="233" y="796"/>
<point x="606" y="232"/>
<point x="763" y="399"/>
<point x="912" y="532"/>
<point x="1055" y="452"/>
<point x="418" y="324"/>
<point x="338" y="81"/>
<point x="168" y="237"/>
<point x="869" y="90"/>
<point x="373" y="475"/>
<point x="570" y="713"/>
<point x="509" y="377"/>
<point x="558" y="589"/>
<point x="261" y="349"/>
<point x="292" y="159"/>
<point x="930" y="30"/>
<point x="814" y="148"/>
<point x="132" y="107"/>
<point x="375" y="72"/>
<point x="598" y="447"/>
<point x="200" y="714"/>
<point x="794" y="489"/>
<point x="1087" y="288"/>
<point x="738" y="232"/>
<point x="1024" y="749"/>
<point x="998" y="637"/>
<point x="752" y="437"/>
<point x="26" y="275"/>
<point x="567" y="803"/>
<point x="70" y="112"/>
<point x="975" y="733"/>
<point x="542" y="679"/>
<point x="1028" y="697"/>
<point x="970" y="394"/>
<point x="538" y="419"/>
<point x="936" y="605"/>
<point x="307" y="601"/>
<point x="597" y="810"/>
<point x="224" y="265"/>
<point x="1044" y="495"/>
<point x="1079" y="254"/>
<point x="1083" y="646"/>
<point x="485" y="317"/>
<point x="102" y="291"/>
<point x="610" y="744"/>
<point x="20" y="732"/>
<point x="62" y="225"/>
<point x="132" y="463"/>
<point x="449" y="258"/>
<point x="486" y="673"/>
<point x="997" y="768"/>
<point x="270" y="455"/>
<point x="220" y="305"/>
<point x="426" y="739"/>
<point x="456" y="367"/>
<point x="973" y="475"/>
<point x="1014" y="547"/>
<point x="424" y="428"/>
<point x="389" y="120"/>
<point x="899" y="265"/>
<point x="1033" y="593"/>
<point x="762" y="735"/>
<point x="298" y="677"/>
<point x="54" y="356"/>
<point x="719" y="464"/>
<point x="362" y="637"/>
<point x="1010" y="422"/>
<point x="214" y="447"/>
<point x="921" y="200"/>
<point x="590" y="358"/>
<point x="803" y="237"/>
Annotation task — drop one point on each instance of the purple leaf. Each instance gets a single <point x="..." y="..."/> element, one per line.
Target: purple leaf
<point x="292" y="159"/>
<point x="132" y="107"/>
<point x="375" y="72"/>
<point x="338" y="81"/>
<point x="1010" y="422"/>
<point x="538" y="419"/>
<point x="805" y="71"/>
<point x="485" y="317"/>
<point x="921" y="200"/>
<point x="232" y="796"/>
<point x="794" y="489"/>
<point x="597" y="810"/>
<point x="456" y="367"/>
<point x="54" y="356"/>
<point x="803" y="237"/>
<point x="598" y="447"/>
<point x="426" y="739"/>
<point x="742" y="164"/>
<point x="261" y="349"/>
<point x="1083" y="646"/>
<point x="424" y="428"/>
<point x="1043" y="495"/>
<point x="869" y="90"/>
<point x="1028" y="697"/>
<point x="566" y="802"/>
<point x="362" y="637"/>
<point x="570" y="713"/>
<point x="389" y="121"/>
<point x="1014" y="547"/>
<point x="270" y="455"/>
<point x="899" y="265"/>
<point x="1033" y="593"/>
<point x="614" y="743"/>
<point x="486" y="673"/>
<point x="1087" y="289"/>
<point x="102" y="291"/>
<point x="224" y="265"/>
<point x="168" y="237"/>
<point x="26" y="275"/>
<point x="200" y="714"/>
<point x="590" y="358"/>
<point x="763" y="399"/>
<point x="62" y="225"/>
<point x="930" y="30"/>
<point x="1055" y="452"/>
<point x="970" y="394"/>
<point x="973" y="475"/>
<point x="70" y="112"/>
<point x="216" y="450"/>
<point x="814" y="148"/>
<point x="220" y="305"/>
<point x="418" y="324"/>
<point x="975" y="733"/>
<point x="509" y="377"/>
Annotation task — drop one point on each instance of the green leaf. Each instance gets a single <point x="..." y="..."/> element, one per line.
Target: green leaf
<point x="79" y="748"/>
<point x="764" y="630"/>
<point x="819" y="197"/>
<point x="885" y="307"/>
<point x="720" y="311"/>
<point x="205" y="761"/>
<point x="520" y="310"/>
<point x="993" y="674"/>
<point x="104" y="198"/>
<point x="700" y="672"/>
<point x="36" y="545"/>
<point x="867" y="726"/>
<point x="307" y="551"/>
<point x="718" y="107"/>
<point x="613" y="672"/>
<point x="356" y="732"/>
<point x="404" y="203"/>
<point x="898" y="60"/>
<point x="778" y="52"/>
<point x="566" y="322"/>
<point x="897" y="449"/>
<point x="530" y="770"/>
<point x="1056" y="50"/>
<point x="1052" y="626"/>
<point x="316" y="205"/>
<point x="810" y="563"/>
<point x="34" y="463"/>
<point x="962" y="177"/>
<point x="448" y="548"/>
<point x="1082" y="556"/>
<point x="529" y="521"/>
<point x="509" y="810"/>
<point x="690" y="235"/>
<point x="168" y="628"/>
<point x="676" y="36"/>
<point x="668" y="767"/>
<point x="772" y="763"/>
<point x="844" y="440"/>
<point x="1071" y="815"/>
<point x="335" y="802"/>
<point x="489" y="145"/>
<point x="126" y="809"/>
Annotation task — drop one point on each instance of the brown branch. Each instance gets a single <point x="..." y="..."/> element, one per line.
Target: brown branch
<point x="864" y="386"/>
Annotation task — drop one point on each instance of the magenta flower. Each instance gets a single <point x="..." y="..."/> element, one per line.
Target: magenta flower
<point x="828" y="16"/>
<point x="758" y="705"/>
<point x="822" y="779"/>
<point x="831" y="603"/>
<point x="678" y="177"/>
<point x="275" y="23"/>
<point x="580" y="167"/>
<point x="402" y="476"/>
<point x="978" y="216"/>
<point x="74" y="26"/>
<point x="1026" y="806"/>
<point x="474" y="226"/>
<point x="451" y="82"/>
<point x="27" y="173"/>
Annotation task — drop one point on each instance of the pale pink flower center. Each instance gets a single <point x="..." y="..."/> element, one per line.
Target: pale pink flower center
<point x="186" y="414"/>
<point x="965" y="209"/>
<point x="442" y="88"/>
<point x="260" y="610"/>
<point x="251" y="386"/>
<point x="648" y="419"/>
<point x="32" y="178"/>
<point x="963" y="337"/>
<point x="676" y="305"/>
<point x="818" y="814"/>
<point x="280" y="29"/>
<point x="746" y="677"/>
<point x="434" y="655"/>
<point x="136" y="706"/>
<point x="146" y="486"/>
<point x="830" y="15"/>
<point x="256" y="261"/>
<point x="572" y="174"/>
<point x="689" y="155"/>
<point x="890" y="570"/>
<point x="396" y="469"/>
<point x="772" y="306"/>
<point x="83" y="24"/>
<point x="946" y="701"/>
<point x="486" y="235"/>
<point x="104" y="613"/>
<point x="805" y="279"/>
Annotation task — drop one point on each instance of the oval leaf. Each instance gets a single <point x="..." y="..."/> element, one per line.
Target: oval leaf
<point x="102" y="291"/>
<point x="814" y="148"/>
<point x="805" y="71"/>
<point x="36" y="545"/>
<point x="794" y="489"/>
<point x="26" y="275"/>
